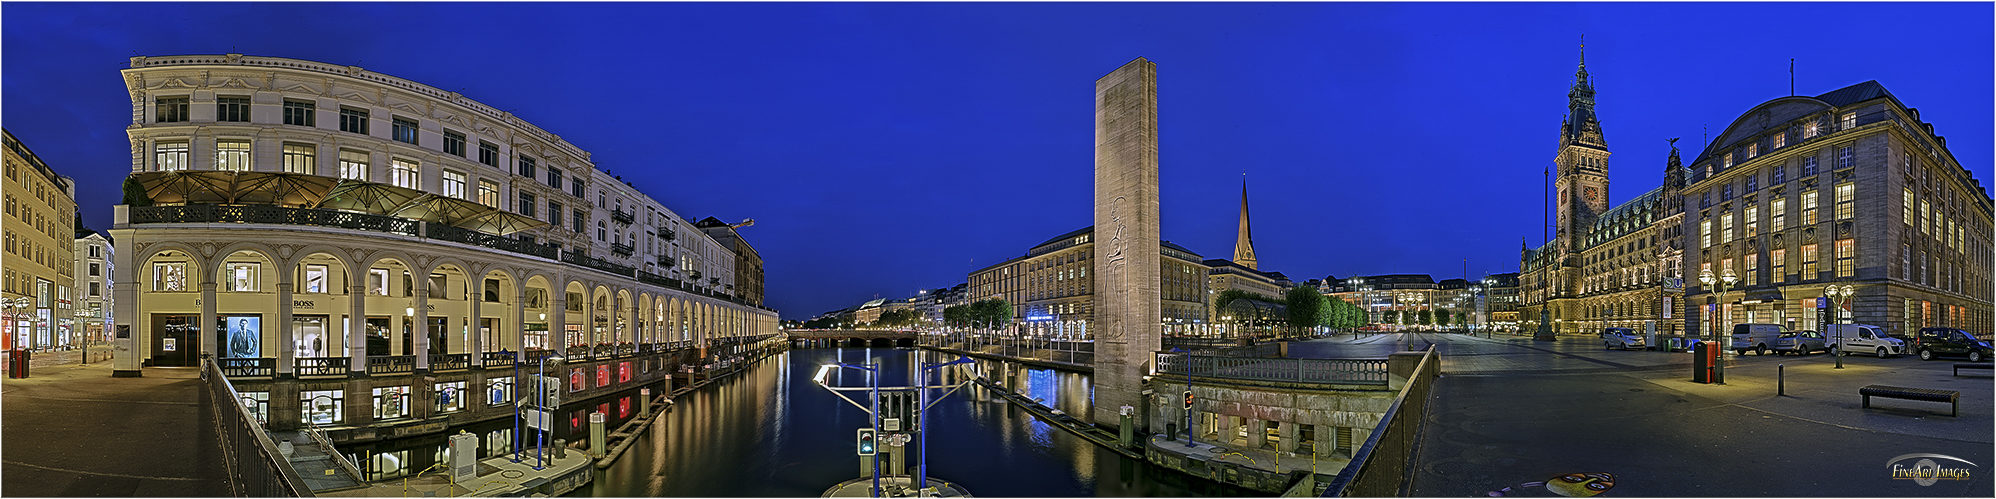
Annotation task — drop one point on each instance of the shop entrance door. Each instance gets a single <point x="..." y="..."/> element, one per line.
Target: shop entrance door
<point x="175" y="340"/>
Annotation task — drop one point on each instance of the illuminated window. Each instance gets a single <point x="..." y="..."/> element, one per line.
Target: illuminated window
<point x="301" y="158"/>
<point x="1808" y="207"/>
<point x="454" y="184"/>
<point x="1753" y="150"/>
<point x="1752" y="220"/>
<point x="232" y="109"/>
<point x="1846" y="257"/>
<point x="353" y="164"/>
<point x="1924" y="218"/>
<point x="403" y="173"/>
<point x="377" y="282"/>
<point x="1849" y="121"/>
<point x="241" y="277"/>
<point x="451" y="396"/>
<point x="488" y="193"/>
<point x="391" y="402"/>
<point x="1726" y="227"/>
<point x="1808" y="262"/>
<point x="1906" y="209"/>
<point x="1728" y="163"/>
<point x="324" y="407"/>
<point x="170" y="156"/>
<point x="169" y="276"/>
<point x="1705" y="233"/>
<point x="1846" y="192"/>
<point x="1780" y="140"/>
<point x="232" y="155"/>
<point x="1811" y="130"/>
<point x="315" y="278"/>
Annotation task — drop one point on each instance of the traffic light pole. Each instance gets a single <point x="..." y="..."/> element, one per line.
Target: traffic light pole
<point x="873" y="418"/>
<point x="873" y="407"/>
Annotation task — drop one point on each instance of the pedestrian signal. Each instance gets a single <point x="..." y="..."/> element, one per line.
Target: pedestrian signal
<point x="866" y="441"/>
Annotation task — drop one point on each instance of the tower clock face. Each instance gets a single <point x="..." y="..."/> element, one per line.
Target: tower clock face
<point x="1590" y="193"/>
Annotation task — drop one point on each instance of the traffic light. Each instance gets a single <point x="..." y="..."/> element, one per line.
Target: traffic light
<point x="1188" y="399"/>
<point x="866" y="441"/>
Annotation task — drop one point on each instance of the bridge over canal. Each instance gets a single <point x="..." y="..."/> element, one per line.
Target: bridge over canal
<point x="851" y="338"/>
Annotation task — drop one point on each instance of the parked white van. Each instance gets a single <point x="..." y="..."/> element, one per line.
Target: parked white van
<point x="1860" y="339"/>
<point x="1756" y="337"/>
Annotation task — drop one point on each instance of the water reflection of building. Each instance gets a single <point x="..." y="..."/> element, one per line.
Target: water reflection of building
<point x="40" y="273"/>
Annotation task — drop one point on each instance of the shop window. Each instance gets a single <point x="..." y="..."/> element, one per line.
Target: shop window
<point x="257" y="403"/>
<point x="451" y="397"/>
<point x="323" y="407"/>
<point x="499" y="391"/>
<point x="391" y="402"/>
<point x="169" y="276"/>
<point x="242" y="277"/>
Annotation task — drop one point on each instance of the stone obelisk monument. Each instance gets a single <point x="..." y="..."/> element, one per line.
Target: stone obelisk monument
<point x="1126" y="237"/>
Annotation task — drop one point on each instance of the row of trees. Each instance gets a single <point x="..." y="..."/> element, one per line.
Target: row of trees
<point x="1439" y="317"/>
<point x="986" y="313"/>
<point x="1309" y="309"/>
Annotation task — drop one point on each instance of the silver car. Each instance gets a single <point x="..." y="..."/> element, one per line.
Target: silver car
<point x="1622" y="338"/>
<point x="1801" y="342"/>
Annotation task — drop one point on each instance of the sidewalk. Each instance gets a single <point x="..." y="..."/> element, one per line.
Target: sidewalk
<point x="99" y="354"/>
<point x="73" y="430"/>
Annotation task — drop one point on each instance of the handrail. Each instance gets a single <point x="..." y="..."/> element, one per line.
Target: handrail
<point x="256" y="468"/>
<point x="1360" y="477"/>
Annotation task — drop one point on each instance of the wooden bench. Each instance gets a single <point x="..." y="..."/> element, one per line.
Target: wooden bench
<point x="1952" y="397"/>
<point x="1959" y="367"/>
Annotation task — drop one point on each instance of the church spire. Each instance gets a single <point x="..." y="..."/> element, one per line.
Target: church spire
<point x="1244" y="245"/>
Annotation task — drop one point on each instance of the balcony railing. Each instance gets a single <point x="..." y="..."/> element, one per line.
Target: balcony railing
<point x="244" y="367"/>
<point x="575" y="258"/>
<point x="449" y="361"/>
<point x="204" y="213"/>
<point x="496" y="359"/>
<point x="621" y="216"/>
<point x="391" y="364"/>
<point x="1366" y="371"/>
<point x="621" y="249"/>
<point x="322" y="366"/>
<point x="486" y="240"/>
<point x="657" y="280"/>
<point x="533" y="357"/>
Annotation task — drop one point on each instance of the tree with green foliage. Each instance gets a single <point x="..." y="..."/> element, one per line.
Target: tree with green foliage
<point x="1306" y="308"/>
<point x="1426" y="317"/>
<point x="986" y="313"/>
<point x="1442" y="317"/>
<point x="1390" y="317"/>
<point x="135" y="195"/>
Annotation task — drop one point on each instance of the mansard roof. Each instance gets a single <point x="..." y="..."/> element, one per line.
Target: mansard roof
<point x="1626" y="218"/>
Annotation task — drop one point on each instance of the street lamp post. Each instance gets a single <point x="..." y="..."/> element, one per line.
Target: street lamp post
<point x="1839" y="295"/>
<point x="1719" y="303"/>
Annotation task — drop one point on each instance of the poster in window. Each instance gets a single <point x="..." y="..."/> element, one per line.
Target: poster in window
<point x="244" y="337"/>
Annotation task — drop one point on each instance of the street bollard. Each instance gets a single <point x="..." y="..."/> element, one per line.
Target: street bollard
<point x="645" y="395"/>
<point x="1781" y="379"/>
<point x="596" y="440"/>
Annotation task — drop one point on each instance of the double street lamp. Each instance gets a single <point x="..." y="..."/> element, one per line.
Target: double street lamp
<point x="1839" y="294"/>
<point x="1719" y="304"/>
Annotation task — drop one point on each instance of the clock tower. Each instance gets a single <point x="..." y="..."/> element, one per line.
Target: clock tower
<point x="1582" y="185"/>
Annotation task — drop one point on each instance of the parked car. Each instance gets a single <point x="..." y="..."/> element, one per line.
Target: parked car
<point x="1858" y="339"/>
<point x="1937" y="341"/>
<point x="1801" y="342"/>
<point x="1757" y="337"/>
<point x="1623" y="338"/>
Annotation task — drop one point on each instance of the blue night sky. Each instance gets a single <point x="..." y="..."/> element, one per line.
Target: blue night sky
<point x="886" y="148"/>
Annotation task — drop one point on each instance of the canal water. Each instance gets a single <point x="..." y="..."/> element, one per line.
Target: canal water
<point x="770" y="431"/>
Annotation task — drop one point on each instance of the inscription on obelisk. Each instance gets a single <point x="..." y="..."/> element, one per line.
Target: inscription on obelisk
<point x="1126" y="227"/>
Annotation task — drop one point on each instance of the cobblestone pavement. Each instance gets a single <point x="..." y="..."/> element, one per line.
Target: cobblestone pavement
<point x="73" y="430"/>
<point x="1502" y="354"/>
